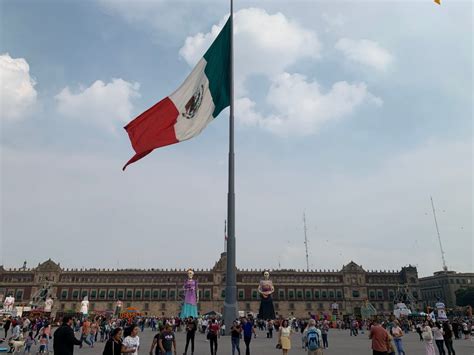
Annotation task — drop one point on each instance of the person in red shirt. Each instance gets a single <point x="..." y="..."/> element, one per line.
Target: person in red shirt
<point x="212" y="334"/>
<point x="380" y="339"/>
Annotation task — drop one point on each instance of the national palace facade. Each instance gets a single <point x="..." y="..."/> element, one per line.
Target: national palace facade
<point x="159" y="291"/>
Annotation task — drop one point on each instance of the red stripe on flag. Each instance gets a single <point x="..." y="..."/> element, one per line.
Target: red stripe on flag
<point x="154" y="128"/>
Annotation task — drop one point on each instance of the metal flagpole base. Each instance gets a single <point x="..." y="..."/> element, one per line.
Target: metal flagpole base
<point x="230" y="311"/>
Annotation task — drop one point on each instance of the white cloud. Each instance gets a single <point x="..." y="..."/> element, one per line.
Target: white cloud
<point x="365" y="52"/>
<point x="268" y="44"/>
<point x="265" y="44"/>
<point x="17" y="88"/>
<point x="100" y="104"/>
<point x="300" y="107"/>
<point x="333" y="20"/>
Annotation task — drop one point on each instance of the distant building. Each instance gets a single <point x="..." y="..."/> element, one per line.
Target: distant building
<point x="443" y="285"/>
<point x="158" y="292"/>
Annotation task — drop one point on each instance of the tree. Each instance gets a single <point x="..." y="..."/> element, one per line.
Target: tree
<point x="465" y="297"/>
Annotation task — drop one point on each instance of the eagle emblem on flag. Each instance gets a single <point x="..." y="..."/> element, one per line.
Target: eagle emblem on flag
<point x="192" y="106"/>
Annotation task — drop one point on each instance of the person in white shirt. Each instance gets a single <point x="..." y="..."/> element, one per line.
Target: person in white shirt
<point x="397" y="333"/>
<point x="132" y="341"/>
<point x="439" y="338"/>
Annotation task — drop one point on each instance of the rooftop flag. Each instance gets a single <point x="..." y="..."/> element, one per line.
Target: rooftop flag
<point x="187" y="111"/>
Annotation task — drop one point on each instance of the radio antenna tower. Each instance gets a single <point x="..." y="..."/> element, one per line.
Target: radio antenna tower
<point x="306" y="241"/>
<point x="445" y="268"/>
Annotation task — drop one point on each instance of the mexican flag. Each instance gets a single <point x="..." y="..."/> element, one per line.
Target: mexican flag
<point x="187" y="111"/>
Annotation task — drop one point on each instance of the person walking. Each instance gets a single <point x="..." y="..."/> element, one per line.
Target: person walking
<point x="284" y="337"/>
<point x="167" y="342"/>
<point x="64" y="339"/>
<point x="235" y="332"/>
<point x="270" y="328"/>
<point x="191" y="327"/>
<point x="114" y="345"/>
<point x="7" y="325"/>
<point x="29" y="341"/>
<point x="439" y="338"/>
<point x="419" y="330"/>
<point x="156" y="341"/>
<point x="212" y="335"/>
<point x="427" y="335"/>
<point x="132" y="342"/>
<point x="248" y="330"/>
<point x="448" y="338"/>
<point x="312" y="337"/>
<point x="380" y="339"/>
<point x="324" y="333"/>
<point x="397" y="333"/>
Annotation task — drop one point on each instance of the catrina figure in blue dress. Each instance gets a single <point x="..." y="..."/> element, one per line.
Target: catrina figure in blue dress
<point x="190" y="297"/>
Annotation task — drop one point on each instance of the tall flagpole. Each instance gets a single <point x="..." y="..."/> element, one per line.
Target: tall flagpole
<point x="230" y="303"/>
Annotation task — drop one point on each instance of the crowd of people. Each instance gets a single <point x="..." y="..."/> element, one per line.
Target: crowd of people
<point x="121" y="336"/>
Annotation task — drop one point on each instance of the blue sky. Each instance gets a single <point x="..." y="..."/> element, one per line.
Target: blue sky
<point x="355" y="112"/>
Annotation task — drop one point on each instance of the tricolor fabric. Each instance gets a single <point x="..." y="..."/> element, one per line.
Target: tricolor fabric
<point x="187" y="111"/>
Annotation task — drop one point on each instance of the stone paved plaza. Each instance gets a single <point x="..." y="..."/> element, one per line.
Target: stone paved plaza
<point x="340" y="343"/>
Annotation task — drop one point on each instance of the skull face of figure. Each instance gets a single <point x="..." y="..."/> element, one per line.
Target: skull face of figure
<point x="266" y="275"/>
<point x="190" y="274"/>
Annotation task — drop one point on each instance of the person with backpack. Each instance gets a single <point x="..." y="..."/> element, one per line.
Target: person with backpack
<point x="312" y="337"/>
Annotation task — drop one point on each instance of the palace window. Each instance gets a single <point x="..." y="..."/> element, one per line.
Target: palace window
<point x="281" y="294"/>
<point x="241" y="294"/>
<point x="391" y="295"/>
<point x="102" y="294"/>
<point x="309" y="306"/>
<point x="277" y="306"/>
<point x="379" y="294"/>
<point x="339" y="294"/>
<point x="120" y="294"/>
<point x="164" y="294"/>
<point x="93" y="294"/>
<point x="308" y="294"/>
<point x="223" y="294"/>
<point x="299" y="294"/>
<point x="317" y="294"/>
<point x="138" y="294"/>
<point x="355" y="293"/>
<point x="156" y="294"/>
<point x="147" y="294"/>
<point x="372" y="294"/>
<point x="129" y="294"/>
<point x="331" y="294"/>
<point x="324" y="294"/>
<point x="291" y="294"/>
<point x="19" y="295"/>
<point x="207" y="294"/>
<point x="75" y="294"/>
<point x="64" y="294"/>
<point x="254" y="294"/>
<point x="291" y="306"/>
<point x="111" y="294"/>
<point x="84" y="293"/>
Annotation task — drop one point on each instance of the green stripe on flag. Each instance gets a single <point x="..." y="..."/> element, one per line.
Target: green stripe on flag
<point x="218" y="70"/>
